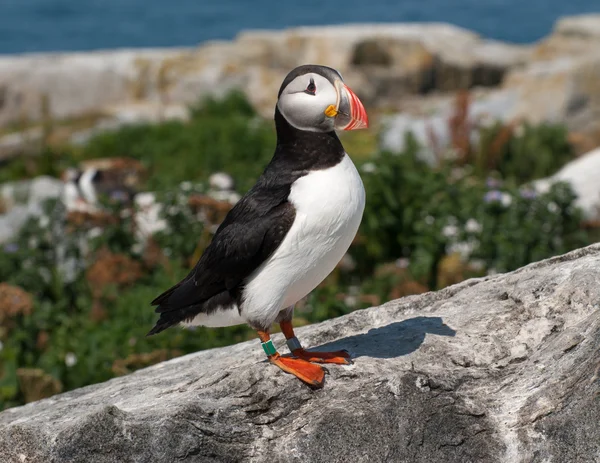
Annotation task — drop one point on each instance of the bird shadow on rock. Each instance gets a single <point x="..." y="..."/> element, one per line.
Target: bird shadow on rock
<point x="393" y="340"/>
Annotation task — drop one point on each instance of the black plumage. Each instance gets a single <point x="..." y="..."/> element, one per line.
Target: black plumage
<point x="253" y="229"/>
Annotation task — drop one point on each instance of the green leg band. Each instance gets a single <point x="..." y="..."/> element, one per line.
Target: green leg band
<point x="269" y="348"/>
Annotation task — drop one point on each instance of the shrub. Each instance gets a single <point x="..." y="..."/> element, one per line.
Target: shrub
<point x="523" y="153"/>
<point x="423" y="214"/>
<point x="518" y="152"/>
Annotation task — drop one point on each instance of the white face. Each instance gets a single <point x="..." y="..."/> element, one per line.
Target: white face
<point x="304" y="101"/>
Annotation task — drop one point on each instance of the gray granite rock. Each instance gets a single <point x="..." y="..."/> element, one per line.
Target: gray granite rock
<point x="499" y="369"/>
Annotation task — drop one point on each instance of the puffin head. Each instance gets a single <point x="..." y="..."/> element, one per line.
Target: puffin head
<point x="314" y="98"/>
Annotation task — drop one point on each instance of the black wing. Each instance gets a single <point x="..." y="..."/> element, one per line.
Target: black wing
<point x="250" y="233"/>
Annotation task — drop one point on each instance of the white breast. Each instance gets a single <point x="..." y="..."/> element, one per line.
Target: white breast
<point x="329" y="205"/>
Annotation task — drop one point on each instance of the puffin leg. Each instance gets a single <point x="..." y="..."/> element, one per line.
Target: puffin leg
<point x="341" y="357"/>
<point x="313" y="375"/>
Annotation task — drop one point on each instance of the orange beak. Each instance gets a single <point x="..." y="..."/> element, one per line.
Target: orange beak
<point x="351" y="114"/>
<point x="358" y="114"/>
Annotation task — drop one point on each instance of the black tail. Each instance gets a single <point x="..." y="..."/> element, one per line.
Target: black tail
<point x="171" y="317"/>
<point x="161" y="325"/>
<point x="185" y="300"/>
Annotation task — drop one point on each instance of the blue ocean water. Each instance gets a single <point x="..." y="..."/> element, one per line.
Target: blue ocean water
<point x="49" y="25"/>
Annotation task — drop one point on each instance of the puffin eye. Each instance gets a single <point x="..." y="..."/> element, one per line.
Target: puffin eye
<point x="312" y="88"/>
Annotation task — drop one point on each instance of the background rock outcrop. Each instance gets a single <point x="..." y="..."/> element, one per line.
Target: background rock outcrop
<point x="387" y="61"/>
<point x="499" y="369"/>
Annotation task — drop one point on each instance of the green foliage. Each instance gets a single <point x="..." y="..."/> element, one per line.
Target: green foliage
<point x="184" y="228"/>
<point x="519" y="226"/>
<point x="522" y="154"/>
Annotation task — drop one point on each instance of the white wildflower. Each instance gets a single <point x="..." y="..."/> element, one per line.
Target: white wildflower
<point x="44" y="221"/>
<point x="403" y="262"/>
<point x="450" y="230"/>
<point x="220" y="195"/>
<point x="429" y="220"/>
<point x="350" y="301"/>
<point x="33" y="243"/>
<point x="472" y="226"/>
<point x="233" y="197"/>
<point x="221" y="181"/>
<point x="95" y="233"/>
<point x="477" y="265"/>
<point x="145" y="199"/>
<point x="172" y="210"/>
<point x="70" y="359"/>
<point x="137" y="248"/>
<point x="369" y="167"/>
<point x="186" y="186"/>
<point x="553" y="207"/>
<point x="506" y="199"/>
<point x="464" y="248"/>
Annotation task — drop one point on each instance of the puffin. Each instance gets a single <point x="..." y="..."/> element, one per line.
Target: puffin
<point x="288" y="232"/>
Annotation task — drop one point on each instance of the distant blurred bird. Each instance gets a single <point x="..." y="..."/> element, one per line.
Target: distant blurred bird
<point x="113" y="178"/>
<point x="288" y="232"/>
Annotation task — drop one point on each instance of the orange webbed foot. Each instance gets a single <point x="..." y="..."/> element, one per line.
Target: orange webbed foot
<point x="313" y="375"/>
<point x="340" y="357"/>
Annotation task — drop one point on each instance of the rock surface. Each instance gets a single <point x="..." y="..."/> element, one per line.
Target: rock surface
<point x="499" y="369"/>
